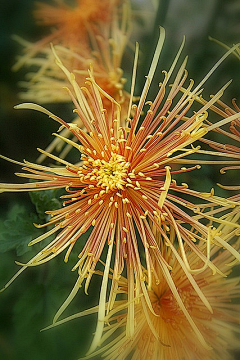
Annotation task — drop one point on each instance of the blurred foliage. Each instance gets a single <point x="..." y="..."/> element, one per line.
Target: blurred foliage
<point x="17" y="230"/>
<point x="30" y="304"/>
<point x="32" y="300"/>
<point x="49" y="199"/>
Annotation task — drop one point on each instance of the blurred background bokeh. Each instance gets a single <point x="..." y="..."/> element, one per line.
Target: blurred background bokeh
<point x="30" y="303"/>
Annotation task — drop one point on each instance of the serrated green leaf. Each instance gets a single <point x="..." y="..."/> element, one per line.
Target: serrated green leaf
<point x="46" y="200"/>
<point x="17" y="230"/>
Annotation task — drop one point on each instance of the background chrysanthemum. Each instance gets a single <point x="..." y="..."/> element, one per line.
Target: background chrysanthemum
<point x="45" y="82"/>
<point x="72" y="24"/>
<point x="91" y="40"/>
<point x="162" y="331"/>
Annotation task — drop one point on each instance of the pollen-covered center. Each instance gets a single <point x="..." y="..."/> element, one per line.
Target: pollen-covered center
<point x="109" y="174"/>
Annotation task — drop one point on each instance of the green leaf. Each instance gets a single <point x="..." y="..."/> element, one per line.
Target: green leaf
<point x="46" y="200"/>
<point x="17" y="230"/>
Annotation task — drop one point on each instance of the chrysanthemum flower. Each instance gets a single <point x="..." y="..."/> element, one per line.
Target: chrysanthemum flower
<point x="71" y="22"/>
<point x="162" y="329"/>
<point x="121" y="187"/>
<point x="103" y="49"/>
<point x="49" y="83"/>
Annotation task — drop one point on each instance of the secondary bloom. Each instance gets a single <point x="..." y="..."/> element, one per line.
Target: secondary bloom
<point x="121" y="187"/>
<point x="103" y="46"/>
<point x="162" y="330"/>
<point x="71" y="22"/>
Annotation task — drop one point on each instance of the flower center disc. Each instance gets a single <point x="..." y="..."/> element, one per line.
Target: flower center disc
<point x="109" y="174"/>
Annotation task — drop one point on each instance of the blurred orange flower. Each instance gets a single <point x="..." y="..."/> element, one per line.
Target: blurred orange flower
<point x="175" y="324"/>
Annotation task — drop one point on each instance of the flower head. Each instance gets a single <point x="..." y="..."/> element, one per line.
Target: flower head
<point x="161" y="328"/>
<point x="71" y="22"/>
<point x="102" y="48"/>
<point x="122" y="188"/>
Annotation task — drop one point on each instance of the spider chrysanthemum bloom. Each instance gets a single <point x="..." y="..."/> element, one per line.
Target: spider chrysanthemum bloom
<point x="71" y="22"/>
<point x="162" y="331"/>
<point x="49" y="82"/>
<point x="121" y="187"/>
<point x="102" y="48"/>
